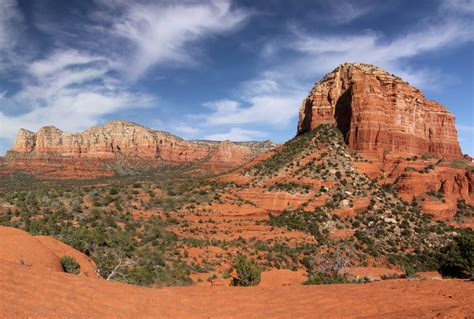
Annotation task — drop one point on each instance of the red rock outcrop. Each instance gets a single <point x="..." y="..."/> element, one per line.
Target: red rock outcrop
<point x="379" y="114"/>
<point x="121" y="140"/>
<point x="413" y="179"/>
<point x="40" y="253"/>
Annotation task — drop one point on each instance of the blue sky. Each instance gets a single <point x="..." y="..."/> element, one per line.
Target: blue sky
<point x="219" y="69"/>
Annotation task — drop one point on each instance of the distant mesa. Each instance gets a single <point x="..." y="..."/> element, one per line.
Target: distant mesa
<point x="58" y="153"/>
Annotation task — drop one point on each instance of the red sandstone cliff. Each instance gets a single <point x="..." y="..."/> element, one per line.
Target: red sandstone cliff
<point x="82" y="153"/>
<point x="379" y="114"/>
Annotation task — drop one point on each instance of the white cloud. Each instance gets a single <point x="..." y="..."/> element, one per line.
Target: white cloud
<point x="74" y="89"/>
<point x="60" y="60"/>
<point x="322" y="53"/>
<point x="163" y="32"/>
<point x="69" y="89"/>
<point x="271" y="99"/>
<point x="346" y="11"/>
<point x="9" y="21"/>
<point x="309" y="55"/>
<point x="10" y="32"/>
<point x="300" y="58"/>
<point x="268" y="109"/>
<point x="186" y="129"/>
<point x="237" y="134"/>
<point x="458" y="6"/>
<point x="70" y="110"/>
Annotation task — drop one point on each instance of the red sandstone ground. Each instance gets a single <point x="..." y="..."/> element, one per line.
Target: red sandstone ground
<point x="33" y="285"/>
<point x="25" y="293"/>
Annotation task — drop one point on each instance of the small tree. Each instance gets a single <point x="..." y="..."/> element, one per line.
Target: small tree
<point x="330" y="267"/>
<point x="70" y="265"/>
<point x="248" y="274"/>
<point x="457" y="258"/>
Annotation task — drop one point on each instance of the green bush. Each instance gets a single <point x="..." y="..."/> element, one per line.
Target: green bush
<point x="321" y="278"/>
<point x="457" y="258"/>
<point x="70" y="265"/>
<point x="248" y="274"/>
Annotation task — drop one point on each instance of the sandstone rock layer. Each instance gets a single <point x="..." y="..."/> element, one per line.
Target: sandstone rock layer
<point x="124" y="141"/>
<point x="380" y="114"/>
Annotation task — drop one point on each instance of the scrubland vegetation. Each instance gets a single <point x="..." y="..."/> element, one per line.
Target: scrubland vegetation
<point x="136" y="227"/>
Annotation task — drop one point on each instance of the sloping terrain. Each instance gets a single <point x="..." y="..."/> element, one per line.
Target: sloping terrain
<point x="33" y="285"/>
<point x="40" y="253"/>
<point x="25" y="293"/>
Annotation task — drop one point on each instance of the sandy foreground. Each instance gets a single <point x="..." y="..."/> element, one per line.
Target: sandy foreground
<point x="27" y="293"/>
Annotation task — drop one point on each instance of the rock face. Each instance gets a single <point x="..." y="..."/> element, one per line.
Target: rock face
<point x="378" y="113"/>
<point x="125" y="140"/>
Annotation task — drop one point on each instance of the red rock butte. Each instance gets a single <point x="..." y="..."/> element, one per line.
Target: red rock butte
<point x="379" y="114"/>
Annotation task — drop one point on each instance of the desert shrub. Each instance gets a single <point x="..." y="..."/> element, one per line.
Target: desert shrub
<point x="462" y="163"/>
<point x="248" y="274"/>
<point x="456" y="259"/>
<point x="321" y="278"/>
<point x="70" y="265"/>
<point x="389" y="276"/>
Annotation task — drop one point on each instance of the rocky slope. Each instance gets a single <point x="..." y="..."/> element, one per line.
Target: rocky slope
<point x="380" y="114"/>
<point x="81" y="154"/>
<point x="32" y="285"/>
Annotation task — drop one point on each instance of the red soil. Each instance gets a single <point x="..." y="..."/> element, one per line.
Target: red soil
<point x="21" y="248"/>
<point x="372" y="272"/>
<point x="60" y="249"/>
<point x="26" y="293"/>
<point x="282" y="277"/>
<point x="342" y="233"/>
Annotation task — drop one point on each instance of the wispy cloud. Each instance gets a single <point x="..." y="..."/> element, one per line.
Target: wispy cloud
<point x="187" y="130"/>
<point x="457" y="6"/>
<point x="10" y="32"/>
<point x="321" y="53"/>
<point x="169" y="32"/>
<point x="269" y="109"/>
<point x="300" y="57"/>
<point x="59" y="60"/>
<point x="346" y="11"/>
<point x="237" y="134"/>
<point x="73" y="88"/>
<point x="70" y="89"/>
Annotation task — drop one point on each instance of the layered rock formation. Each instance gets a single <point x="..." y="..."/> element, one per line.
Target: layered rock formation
<point x="124" y="140"/>
<point x="379" y="114"/>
